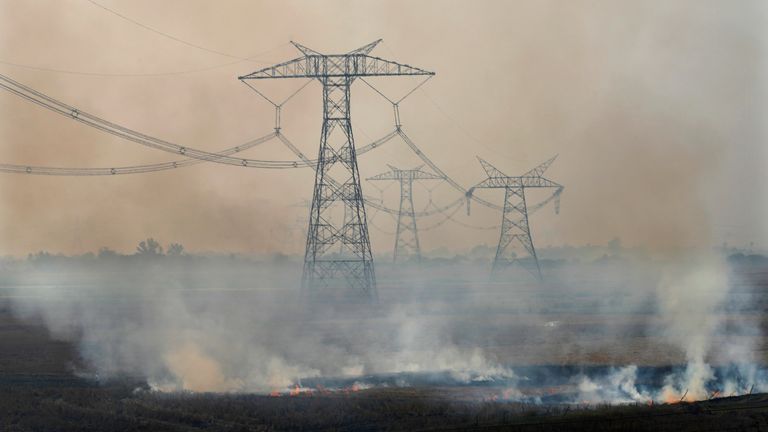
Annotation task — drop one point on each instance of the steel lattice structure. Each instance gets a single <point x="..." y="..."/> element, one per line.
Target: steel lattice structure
<point x="515" y="228"/>
<point x="407" y="234"/>
<point x="337" y="216"/>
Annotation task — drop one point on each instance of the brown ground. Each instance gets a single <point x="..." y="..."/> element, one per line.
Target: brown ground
<point x="27" y="348"/>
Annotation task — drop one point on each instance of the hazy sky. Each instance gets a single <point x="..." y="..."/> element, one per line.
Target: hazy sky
<point x="656" y="109"/>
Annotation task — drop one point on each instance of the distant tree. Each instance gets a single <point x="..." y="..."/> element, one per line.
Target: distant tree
<point x="106" y="252"/>
<point x="614" y="245"/>
<point x="481" y="251"/>
<point x="175" y="249"/>
<point x="41" y="256"/>
<point x="280" y="258"/>
<point x="149" y="247"/>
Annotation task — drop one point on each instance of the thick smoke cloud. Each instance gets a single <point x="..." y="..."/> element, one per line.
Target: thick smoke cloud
<point x="221" y="326"/>
<point x="200" y="335"/>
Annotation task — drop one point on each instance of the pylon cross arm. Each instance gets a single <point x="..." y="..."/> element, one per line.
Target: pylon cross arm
<point x="516" y="182"/>
<point x="422" y="175"/>
<point x="406" y="174"/>
<point x="384" y="176"/>
<point x="336" y="65"/>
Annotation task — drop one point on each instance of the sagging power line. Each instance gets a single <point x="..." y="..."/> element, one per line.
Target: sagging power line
<point x="337" y="156"/>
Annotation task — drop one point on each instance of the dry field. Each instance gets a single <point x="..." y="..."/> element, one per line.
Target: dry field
<point x="41" y="388"/>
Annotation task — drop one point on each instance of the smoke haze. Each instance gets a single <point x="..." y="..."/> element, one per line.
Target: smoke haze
<point x="223" y="325"/>
<point x="655" y="110"/>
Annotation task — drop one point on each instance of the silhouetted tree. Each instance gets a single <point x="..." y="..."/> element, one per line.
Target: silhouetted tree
<point x="149" y="247"/>
<point x="175" y="249"/>
<point x="614" y="245"/>
<point x="106" y="252"/>
<point x="41" y="257"/>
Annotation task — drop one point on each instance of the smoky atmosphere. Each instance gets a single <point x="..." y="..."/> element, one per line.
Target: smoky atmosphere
<point x="383" y="215"/>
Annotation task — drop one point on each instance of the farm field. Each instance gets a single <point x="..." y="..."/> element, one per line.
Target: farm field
<point x="549" y="342"/>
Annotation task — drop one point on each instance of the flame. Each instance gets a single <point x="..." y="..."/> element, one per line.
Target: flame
<point x="355" y="387"/>
<point x="673" y="397"/>
<point x="298" y="390"/>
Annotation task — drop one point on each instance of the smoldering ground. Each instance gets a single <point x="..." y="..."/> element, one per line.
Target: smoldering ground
<point x="614" y="330"/>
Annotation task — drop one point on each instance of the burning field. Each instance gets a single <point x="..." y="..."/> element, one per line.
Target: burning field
<point x="406" y="270"/>
<point x="189" y="332"/>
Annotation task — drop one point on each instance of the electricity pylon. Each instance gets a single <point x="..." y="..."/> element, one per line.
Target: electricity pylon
<point x="407" y="235"/>
<point x="515" y="229"/>
<point x="337" y="178"/>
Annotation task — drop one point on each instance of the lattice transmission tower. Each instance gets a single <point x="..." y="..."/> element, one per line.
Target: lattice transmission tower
<point x="515" y="229"/>
<point x="407" y="234"/>
<point x="337" y="179"/>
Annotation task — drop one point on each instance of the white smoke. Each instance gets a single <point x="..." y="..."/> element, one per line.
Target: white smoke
<point x="619" y="386"/>
<point x="223" y="333"/>
<point x="690" y="302"/>
<point x="257" y="339"/>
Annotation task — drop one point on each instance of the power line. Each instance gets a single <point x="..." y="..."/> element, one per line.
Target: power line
<point x="169" y="36"/>
<point x="200" y="155"/>
<point x="445" y="114"/>
<point x="160" y="166"/>
<point x="68" y="171"/>
<point x="108" y="74"/>
<point x="135" y="169"/>
<point x="132" y="135"/>
<point x="467" y="193"/>
<point x="398" y="128"/>
<point x="136" y="74"/>
<point x="355" y="262"/>
<point x="410" y="92"/>
<point x="458" y="125"/>
<point x="273" y="103"/>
